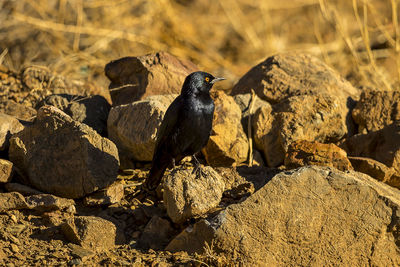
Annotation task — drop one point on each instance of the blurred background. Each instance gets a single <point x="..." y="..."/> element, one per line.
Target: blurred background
<point x="76" y="38"/>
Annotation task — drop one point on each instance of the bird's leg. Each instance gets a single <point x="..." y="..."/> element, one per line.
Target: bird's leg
<point x="197" y="168"/>
<point x="173" y="163"/>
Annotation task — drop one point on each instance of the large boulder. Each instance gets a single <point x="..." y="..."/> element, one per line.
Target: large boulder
<point x="134" y="78"/>
<point x="376" y="109"/>
<point x="133" y="127"/>
<point x="186" y="195"/>
<point x="63" y="157"/>
<point x="306" y="117"/>
<point x="312" y="216"/>
<point x="228" y="143"/>
<point x="9" y="125"/>
<point x="91" y="110"/>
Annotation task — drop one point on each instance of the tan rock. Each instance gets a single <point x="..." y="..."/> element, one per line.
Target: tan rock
<point x="6" y="171"/>
<point x="133" y="127"/>
<point x="186" y="196"/>
<point x="228" y="143"/>
<point x="376" y="109"/>
<point x="307" y="117"/>
<point x="12" y="201"/>
<point x="91" y="232"/>
<point x="302" y="153"/>
<point x="312" y="216"/>
<point x="9" y="125"/>
<point x="63" y="157"/>
<point x="47" y="202"/>
<point x="110" y="195"/>
<point x="134" y="78"/>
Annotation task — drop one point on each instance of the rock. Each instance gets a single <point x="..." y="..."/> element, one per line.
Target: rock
<point x="134" y="78"/>
<point x="157" y="234"/>
<point x="377" y="170"/>
<point x="186" y="196"/>
<point x="17" y="110"/>
<point x="302" y="153"/>
<point x="107" y="196"/>
<point x="376" y="109"/>
<point x="133" y="127"/>
<point x="6" y="171"/>
<point x="91" y="110"/>
<point x="20" y="188"/>
<point x="228" y="143"/>
<point x="46" y="202"/>
<point x="12" y="201"/>
<point x="290" y="74"/>
<point x="63" y="157"/>
<point x="80" y="252"/>
<point x="9" y="125"/>
<point x="90" y="232"/>
<point x="382" y="145"/>
<point x="307" y="117"/>
<point x="305" y="217"/>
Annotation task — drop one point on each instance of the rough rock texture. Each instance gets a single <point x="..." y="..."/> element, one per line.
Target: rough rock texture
<point x="302" y="153"/>
<point x="376" y="170"/>
<point x="186" y="196"/>
<point x="134" y="78"/>
<point x="290" y="74"/>
<point x="47" y="202"/>
<point x="382" y="145"/>
<point x="12" y="201"/>
<point x="157" y="233"/>
<point x="9" y="125"/>
<point x="307" y="117"/>
<point x="228" y="143"/>
<point x="312" y="216"/>
<point x="20" y="188"/>
<point x="91" y="110"/>
<point x="133" y="127"/>
<point x="6" y="171"/>
<point x="109" y="195"/>
<point x="63" y="157"/>
<point x="376" y="109"/>
<point x="91" y="232"/>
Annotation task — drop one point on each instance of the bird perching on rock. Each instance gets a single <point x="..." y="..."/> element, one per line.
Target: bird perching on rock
<point x="186" y="127"/>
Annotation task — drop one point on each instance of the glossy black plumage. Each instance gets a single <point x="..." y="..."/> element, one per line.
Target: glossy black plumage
<point x="186" y="126"/>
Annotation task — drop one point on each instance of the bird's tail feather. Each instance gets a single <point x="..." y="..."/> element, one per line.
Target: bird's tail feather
<point x="155" y="175"/>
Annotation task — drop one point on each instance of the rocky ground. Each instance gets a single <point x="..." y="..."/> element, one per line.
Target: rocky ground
<point x="301" y="168"/>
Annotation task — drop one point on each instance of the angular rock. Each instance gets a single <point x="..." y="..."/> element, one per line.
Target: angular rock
<point x="90" y="110"/>
<point x="307" y="117"/>
<point x="186" y="196"/>
<point x="17" y="110"/>
<point x="228" y="143"/>
<point x="382" y="145"/>
<point x="302" y="153"/>
<point x="377" y="170"/>
<point x="376" y="109"/>
<point x="305" y="217"/>
<point x="6" y="171"/>
<point x="63" y="157"/>
<point x="290" y="74"/>
<point x="9" y="125"/>
<point x="20" y="188"/>
<point x="134" y="78"/>
<point x="133" y="127"/>
<point x="46" y="202"/>
<point x="107" y="196"/>
<point x="157" y="234"/>
<point x="90" y="232"/>
<point x="12" y="201"/>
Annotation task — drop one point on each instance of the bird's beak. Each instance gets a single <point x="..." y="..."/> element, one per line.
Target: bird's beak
<point x="217" y="80"/>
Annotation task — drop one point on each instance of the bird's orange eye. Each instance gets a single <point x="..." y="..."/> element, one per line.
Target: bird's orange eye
<point x="207" y="79"/>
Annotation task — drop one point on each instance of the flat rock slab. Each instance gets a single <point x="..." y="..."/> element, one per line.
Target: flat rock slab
<point x="12" y="201"/>
<point x="63" y="157"/>
<point x="311" y="216"/>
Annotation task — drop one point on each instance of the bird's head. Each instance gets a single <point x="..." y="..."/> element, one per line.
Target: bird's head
<point x="199" y="82"/>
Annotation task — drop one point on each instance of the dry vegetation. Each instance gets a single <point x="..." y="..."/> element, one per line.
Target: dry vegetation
<point x="360" y="38"/>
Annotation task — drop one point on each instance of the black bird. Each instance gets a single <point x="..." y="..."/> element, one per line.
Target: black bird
<point x="186" y="126"/>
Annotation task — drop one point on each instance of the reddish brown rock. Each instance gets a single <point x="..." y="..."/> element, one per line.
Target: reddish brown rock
<point x="302" y="153"/>
<point x="134" y="78"/>
<point x="376" y="109"/>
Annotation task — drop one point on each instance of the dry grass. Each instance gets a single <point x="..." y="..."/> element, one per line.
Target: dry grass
<point x="77" y="38"/>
